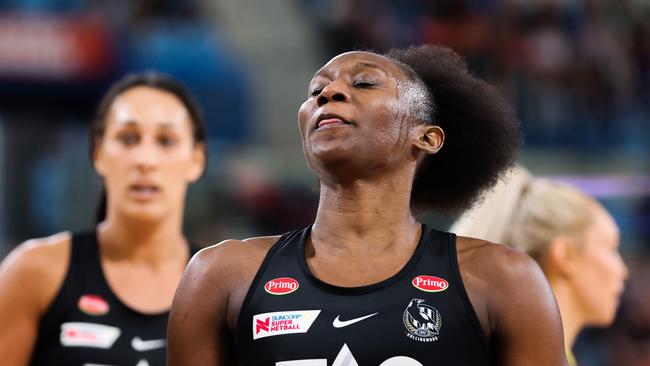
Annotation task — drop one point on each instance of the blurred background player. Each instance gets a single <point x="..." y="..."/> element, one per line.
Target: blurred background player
<point x="570" y="235"/>
<point x="102" y="297"/>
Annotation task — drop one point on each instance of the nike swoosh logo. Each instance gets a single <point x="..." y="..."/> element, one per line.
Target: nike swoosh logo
<point x="340" y="324"/>
<point x="141" y="346"/>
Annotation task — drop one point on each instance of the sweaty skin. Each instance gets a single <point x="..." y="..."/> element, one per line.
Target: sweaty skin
<point x="365" y="147"/>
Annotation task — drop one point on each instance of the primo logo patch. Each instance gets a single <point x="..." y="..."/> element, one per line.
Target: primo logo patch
<point x="283" y="322"/>
<point x="93" y="305"/>
<point x="281" y="286"/>
<point x="430" y="283"/>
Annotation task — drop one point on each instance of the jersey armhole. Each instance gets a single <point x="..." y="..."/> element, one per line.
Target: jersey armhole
<point x="462" y="291"/>
<point x="54" y="304"/>
<point x="47" y="327"/>
<point x="254" y="285"/>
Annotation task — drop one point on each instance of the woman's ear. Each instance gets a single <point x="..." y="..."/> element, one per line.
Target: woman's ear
<point x="98" y="160"/>
<point x="198" y="162"/>
<point x="429" y="138"/>
<point x="562" y="256"/>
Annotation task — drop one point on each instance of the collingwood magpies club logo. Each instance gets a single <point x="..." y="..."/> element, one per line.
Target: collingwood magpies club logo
<point x="422" y="321"/>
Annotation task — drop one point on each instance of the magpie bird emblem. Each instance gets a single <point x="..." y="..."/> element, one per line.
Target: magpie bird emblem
<point x="422" y="321"/>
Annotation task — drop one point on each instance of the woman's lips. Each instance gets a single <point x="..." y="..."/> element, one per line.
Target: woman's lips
<point x="330" y="122"/>
<point x="143" y="192"/>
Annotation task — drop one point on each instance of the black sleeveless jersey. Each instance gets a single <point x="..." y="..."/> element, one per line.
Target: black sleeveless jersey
<point x="420" y="316"/>
<point x="88" y="325"/>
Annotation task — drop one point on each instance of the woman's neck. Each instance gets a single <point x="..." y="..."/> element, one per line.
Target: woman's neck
<point x="351" y="216"/>
<point x="570" y="311"/>
<point x="151" y="242"/>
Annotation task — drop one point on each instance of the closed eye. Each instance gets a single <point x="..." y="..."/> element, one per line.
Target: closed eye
<point x="363" y="84"/>
<point x="315" y="92"/>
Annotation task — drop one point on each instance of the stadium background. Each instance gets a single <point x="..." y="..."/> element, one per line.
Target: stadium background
<point x="577" y="72"/>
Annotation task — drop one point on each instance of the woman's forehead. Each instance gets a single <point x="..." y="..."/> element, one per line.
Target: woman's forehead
<point x="362" y="59"/>
<point x="145" y="104"/>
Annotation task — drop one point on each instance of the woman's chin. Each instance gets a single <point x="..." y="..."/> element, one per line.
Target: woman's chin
<point x="603" y="319"/>
<point x="333" y="154"/>
<point x="144" y="214"/>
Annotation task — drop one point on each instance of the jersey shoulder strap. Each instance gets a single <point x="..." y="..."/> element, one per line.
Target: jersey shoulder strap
<point x="284" y="242"/>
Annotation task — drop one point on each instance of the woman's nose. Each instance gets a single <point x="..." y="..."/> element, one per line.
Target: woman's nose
<point x="333" y="92"/>
<point x="146" y="156"/>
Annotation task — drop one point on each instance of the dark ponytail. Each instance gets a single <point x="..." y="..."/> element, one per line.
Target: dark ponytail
<point x="100" y="210"/>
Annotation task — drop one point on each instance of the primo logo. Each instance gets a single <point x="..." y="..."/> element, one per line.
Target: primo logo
<point x="281" y="286"/>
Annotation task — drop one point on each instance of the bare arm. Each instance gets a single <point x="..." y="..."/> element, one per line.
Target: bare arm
<point x="30" y="276"/>
<point x="524" y="316"/>
<point x="208" y="300"/>
<point x="197" y="333"/>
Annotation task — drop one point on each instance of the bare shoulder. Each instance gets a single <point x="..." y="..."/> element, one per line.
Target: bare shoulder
<point x="513" y="281"/>
<point x="219" y="276"/>
<point x="514" y="303"/>
<point x="36" y="268"/>
<point x="41" y="255"/>
<point x="518" y="305"/>
<point x="498" y="278"/>
<point x="231" y="256"/>
<point x="495" y="262"/>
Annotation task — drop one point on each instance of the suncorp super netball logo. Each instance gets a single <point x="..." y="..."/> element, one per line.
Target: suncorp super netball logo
<point x="283" y="322"/>
<point x="430" y="283"/>
<point x="281" y="286"/>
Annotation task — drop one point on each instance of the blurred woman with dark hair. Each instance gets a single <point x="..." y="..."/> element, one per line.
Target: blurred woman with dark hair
<point x="103" y="297"/>
<point x="367" y="284"/>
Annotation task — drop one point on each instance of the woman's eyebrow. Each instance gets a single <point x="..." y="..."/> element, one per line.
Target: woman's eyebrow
<point x="166" y="125"/>
<point x="358" y="65"/>
<point x="321" y="73"/>
<point x="364" y="64"/>
<point x="127" y="123"/>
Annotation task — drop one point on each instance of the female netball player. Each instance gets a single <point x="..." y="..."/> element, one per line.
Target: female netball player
<point x="102" y="297"/>
<point x="574" y="240"/>
<point x="367" y="284"/>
